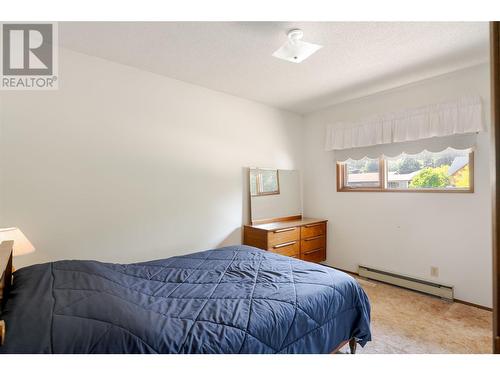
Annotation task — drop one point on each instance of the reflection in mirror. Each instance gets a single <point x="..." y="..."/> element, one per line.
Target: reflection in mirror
<point x="274" y="194"/>
<point x="264" y="182"/>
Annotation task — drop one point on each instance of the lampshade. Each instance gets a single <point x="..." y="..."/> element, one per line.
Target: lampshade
<point x="21" y="244"/>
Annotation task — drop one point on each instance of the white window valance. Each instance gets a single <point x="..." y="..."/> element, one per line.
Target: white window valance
<point x="461" y="116"/>
<point x="436" y="144"/>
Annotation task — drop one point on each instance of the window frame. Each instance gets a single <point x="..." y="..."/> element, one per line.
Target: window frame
<point x="342" y="177"/>
<point x="258" y="182"/>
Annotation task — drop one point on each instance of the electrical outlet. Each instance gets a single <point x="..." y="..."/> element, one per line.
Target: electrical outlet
<point x="434" y="271"/>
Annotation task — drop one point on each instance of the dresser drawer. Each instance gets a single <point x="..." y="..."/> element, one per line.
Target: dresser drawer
<point x="313" y="230"/>
<point x="315" y="255"/>
<point x="280" y="236"/>
<point x="313" y="243"/>
<point x="291" y="248"/>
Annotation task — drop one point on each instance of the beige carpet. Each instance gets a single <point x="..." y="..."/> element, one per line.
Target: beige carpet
<point x="409" y="322"/>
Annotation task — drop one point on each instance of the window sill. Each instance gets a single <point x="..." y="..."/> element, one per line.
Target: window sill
<point x="378" y="190"/>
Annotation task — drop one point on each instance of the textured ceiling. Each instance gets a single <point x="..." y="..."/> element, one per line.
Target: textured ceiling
<point x="358" y="58"/>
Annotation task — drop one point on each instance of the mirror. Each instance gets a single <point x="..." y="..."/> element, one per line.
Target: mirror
<point x="274" y="194"/>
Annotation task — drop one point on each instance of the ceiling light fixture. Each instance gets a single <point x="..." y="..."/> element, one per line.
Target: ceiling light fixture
<point x="295" y="50"/>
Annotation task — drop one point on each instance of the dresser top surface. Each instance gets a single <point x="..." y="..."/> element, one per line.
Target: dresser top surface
<point x="287" y="224"/>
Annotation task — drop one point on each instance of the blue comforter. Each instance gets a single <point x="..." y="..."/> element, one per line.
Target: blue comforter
<point x="235" y="299"/>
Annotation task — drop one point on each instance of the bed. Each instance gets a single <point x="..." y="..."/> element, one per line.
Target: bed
<point x="236" y="299"/>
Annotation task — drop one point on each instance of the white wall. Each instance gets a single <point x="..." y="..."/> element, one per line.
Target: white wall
<point x="123" y="165"/>
<point x="406" y="232"/>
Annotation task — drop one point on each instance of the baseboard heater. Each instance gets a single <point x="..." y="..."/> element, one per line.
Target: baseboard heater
<point x="443" y="291"/>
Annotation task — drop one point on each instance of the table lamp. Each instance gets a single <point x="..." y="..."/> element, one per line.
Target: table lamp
<point x="21" y="244"/>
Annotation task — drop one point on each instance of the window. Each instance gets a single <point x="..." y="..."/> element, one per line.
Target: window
<point x="363" y="173"/>
<point x="264" y="182"/>
<point x="447" y="171"/>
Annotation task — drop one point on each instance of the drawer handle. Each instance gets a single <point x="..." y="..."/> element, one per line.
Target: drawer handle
<point x="311" y="251"/>
<point x="313" y="225"/>
<point x="284" y="230"/>
<point x="312" y="238"/>
<point x="285" y="244"/>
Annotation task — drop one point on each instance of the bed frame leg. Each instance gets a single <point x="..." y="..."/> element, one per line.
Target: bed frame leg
<point x="352" y="345"/>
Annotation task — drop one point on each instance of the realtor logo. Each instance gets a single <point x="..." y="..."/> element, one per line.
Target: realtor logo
<point x="29" y="56"/>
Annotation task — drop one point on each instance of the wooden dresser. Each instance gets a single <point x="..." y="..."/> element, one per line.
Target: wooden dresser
<point x="302" y="238"/>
